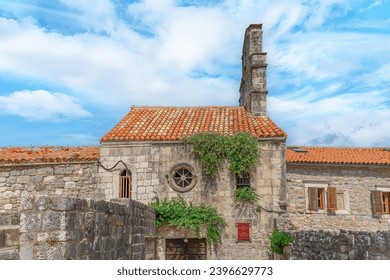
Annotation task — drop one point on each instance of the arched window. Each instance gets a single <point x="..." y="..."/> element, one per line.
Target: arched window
<point x="125" y="184"/>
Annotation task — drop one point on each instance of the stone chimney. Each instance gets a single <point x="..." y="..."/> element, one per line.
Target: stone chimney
<point x="253" y="88"/>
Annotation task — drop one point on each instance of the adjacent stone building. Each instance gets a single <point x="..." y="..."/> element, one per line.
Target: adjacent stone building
<point x="338" y="202"/>
<point x="59" y="171"/>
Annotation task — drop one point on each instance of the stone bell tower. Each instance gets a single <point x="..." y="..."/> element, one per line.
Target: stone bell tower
<point x="253" y="88"/>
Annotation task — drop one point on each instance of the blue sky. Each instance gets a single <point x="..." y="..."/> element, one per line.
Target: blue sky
<point x="70" y="69"/>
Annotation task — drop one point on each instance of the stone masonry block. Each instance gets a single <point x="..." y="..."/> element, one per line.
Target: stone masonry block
<point x="29" y="222"/>
<point x="41" y="203"/>
<point x="52" y="220"/>
<point x="27" y="203"/>
<point x="62" y="204"/>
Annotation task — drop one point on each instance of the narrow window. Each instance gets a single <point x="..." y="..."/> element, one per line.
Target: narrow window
<point x="386" y="202"/>
<point x="125" y="184"/>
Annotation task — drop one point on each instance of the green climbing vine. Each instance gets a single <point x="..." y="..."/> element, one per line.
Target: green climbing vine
<point x="178" y="212"/>
<point x="245" y="194"/>
<point x="240" y="149"/>
<point x="279" y="240"/>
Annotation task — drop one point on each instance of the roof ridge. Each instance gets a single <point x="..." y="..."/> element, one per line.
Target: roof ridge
<point x="186" y="107"/>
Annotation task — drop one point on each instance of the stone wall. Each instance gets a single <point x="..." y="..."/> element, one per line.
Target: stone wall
<point x="59" y="179"/>
<point x="54" y="227"/>
<point x="9" y="236"/>
<point x="340" y="245"/>
<point x="151" y="165"/>
<point x="356" y="182"/>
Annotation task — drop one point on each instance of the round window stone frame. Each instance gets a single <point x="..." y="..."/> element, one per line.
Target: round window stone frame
<point x="172" y="182"/>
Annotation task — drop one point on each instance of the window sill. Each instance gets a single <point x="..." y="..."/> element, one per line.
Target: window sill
<point x="342" y="212"/>
<point x="329" y="212"/>
<point x="384" y="216"/>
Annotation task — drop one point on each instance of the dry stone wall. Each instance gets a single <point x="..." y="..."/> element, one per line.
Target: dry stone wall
<point x="73" y="228"/>
<point x="340" y="245"/>
<point x="70" y="179"/>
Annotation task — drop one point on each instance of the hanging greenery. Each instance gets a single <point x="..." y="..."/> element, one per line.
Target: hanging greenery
<point x="279" y="240"/>
<point x="240" y="149"/>
<point x="178" y="212"/>
<point x="245" y="194"/>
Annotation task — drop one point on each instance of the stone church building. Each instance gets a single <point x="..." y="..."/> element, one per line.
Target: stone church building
<point x="334" y="202"/>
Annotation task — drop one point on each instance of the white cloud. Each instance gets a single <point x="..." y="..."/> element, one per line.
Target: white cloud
<point x="96" y="15"/>
<point x="148" y="56"/>
<point x="355" y="119"/>
<point x="375" y="4"/>
<point x="41" y="105"/>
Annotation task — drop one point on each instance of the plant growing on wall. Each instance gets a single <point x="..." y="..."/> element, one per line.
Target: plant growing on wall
<point x="178" y="212"/>
<point x="242" y="152"/>
<point x="240" y="149"/>
<point x="279" y="240"/>
<point x="245" y="194"/>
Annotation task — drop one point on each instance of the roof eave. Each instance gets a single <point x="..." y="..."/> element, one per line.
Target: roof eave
<point x="324" y="164"/>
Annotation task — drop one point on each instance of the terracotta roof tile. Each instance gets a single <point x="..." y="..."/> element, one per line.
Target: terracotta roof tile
<point x="47" y="154"/>
<point x="175" y="123"/>
<point x="333" y="155"/>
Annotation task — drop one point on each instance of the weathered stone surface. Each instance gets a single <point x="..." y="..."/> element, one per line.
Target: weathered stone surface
<point x="340" y="245"/>
<point x="61" y="204"/>
<point x="9" y="254"/>
<point x="151" y="166"/>
<point x="355" y="183"/>
<point x="74" y="228"/>
<point x="61" y="179"/>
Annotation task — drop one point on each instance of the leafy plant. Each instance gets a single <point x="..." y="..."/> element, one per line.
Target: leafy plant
<point x="279" y="240"/>
<point x="245" y="194"/>
<point x="211" y="148"/>
<point x="240" y="149"/>
<point x="178" y="212"/>
<point x="242" y="152"/>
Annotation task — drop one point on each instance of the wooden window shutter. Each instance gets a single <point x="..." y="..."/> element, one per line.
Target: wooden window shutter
<point x="377" y="202"/>
<point x="313" y="199"/>
<point x="332" y="198"/>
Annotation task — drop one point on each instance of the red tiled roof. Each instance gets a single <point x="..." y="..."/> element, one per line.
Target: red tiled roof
<point x="175" y="123"/>
<point x="48" y="154"/>
<point x="330" y="155"/>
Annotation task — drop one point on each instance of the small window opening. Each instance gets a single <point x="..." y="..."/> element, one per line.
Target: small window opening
<point x="243" y="181"/>
<point x="125" y="184"/>
<point x="386" y="202"/>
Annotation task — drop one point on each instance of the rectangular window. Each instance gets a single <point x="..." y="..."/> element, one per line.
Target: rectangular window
<point x="243" y="181"/>
<point x="324" y="198"/>
<point x="340" y="201"/>
<point x="380" y="202"/>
